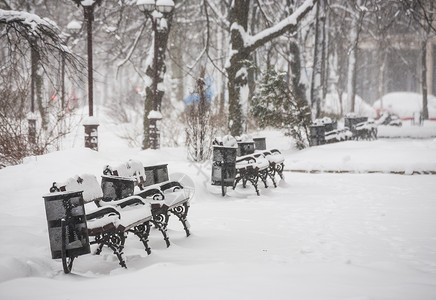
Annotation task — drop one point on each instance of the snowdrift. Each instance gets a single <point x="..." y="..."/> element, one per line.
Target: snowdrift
<point x="405" y="104"/>
<point x="333" y="105"/>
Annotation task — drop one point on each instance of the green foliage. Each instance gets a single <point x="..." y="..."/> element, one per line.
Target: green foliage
<point x="275" y="104"/>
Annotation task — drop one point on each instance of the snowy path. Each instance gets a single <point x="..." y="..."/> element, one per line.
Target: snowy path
<point x="324" y="236"/>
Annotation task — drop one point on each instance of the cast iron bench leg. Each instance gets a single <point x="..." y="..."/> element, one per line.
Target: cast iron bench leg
<point x="272" y="173"/>
<point x="115" y="241"/>
<point x="181" y="212"/>
<point x="160" y="220"/>
<point x="263" y="176"/>
<point x="142" y="232"/>
<point x="253" y="177"/>
<point x="67" y="262"/>
<point x="279" y="169"/>
<point x="237" y="179"/>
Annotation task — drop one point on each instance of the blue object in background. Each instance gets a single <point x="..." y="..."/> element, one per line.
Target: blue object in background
<point x="195" y="97"/>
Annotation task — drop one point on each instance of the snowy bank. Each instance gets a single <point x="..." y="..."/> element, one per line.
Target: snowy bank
<point x="383" y="156"/>
<point x="407" y="130"/>
<point x="405" y="104"/>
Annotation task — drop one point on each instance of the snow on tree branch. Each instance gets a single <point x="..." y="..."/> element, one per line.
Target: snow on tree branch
<point x="42" y="34"/>
<point x="32" y="22"/>
<point x="253" y="42"/>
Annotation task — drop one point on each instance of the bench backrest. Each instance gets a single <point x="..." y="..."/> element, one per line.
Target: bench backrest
<point x="131" y="168"/>
<point x="156" y="174"/>
<point x="86" y="182"/>
<point x="144" y="176"/>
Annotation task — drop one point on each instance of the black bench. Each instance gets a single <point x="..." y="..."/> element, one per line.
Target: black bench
<point x="166" y="197"/>
<point x="251" y="168"/>
<point x="251" y="164"/>
<point x="366" y="131"/>
<point x="276" y="163"/>
<point x="105" y="225"/>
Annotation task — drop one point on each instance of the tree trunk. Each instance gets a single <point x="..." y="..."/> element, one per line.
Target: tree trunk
<point x="381" y="75"/>
<point x="325" y="55"/>
<point x="427" y="29"/>
<point x="37" y="85"/>
<point x="297" y="88"/>
<point x="162" y="34"/>
<point x="177" y="75"/>
<point x="352" y="63"/>
<point x="236" y="77"/>
<point x="315" y="87"/>
<point x="424" y="78"/>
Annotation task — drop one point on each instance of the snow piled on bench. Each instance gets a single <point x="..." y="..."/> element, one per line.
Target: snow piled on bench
<point x="131" y="168"/>
<point x="87" y="183"/>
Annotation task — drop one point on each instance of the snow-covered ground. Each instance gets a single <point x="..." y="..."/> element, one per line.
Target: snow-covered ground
<point x="381" y="156"/>
<point x="316" y="236"/>
<point x="408" y="130"/>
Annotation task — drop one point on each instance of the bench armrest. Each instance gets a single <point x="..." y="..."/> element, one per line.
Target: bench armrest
<point x="170" y="185"/>
<point x="248" y="159"/>
<point x="128" y="201"/>
<point x="103" y="211"/>
<point x="275" y="151"/>
<point x="151" y="192"/>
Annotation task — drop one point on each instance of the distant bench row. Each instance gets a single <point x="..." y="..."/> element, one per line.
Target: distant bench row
<point x="245" y="160"/>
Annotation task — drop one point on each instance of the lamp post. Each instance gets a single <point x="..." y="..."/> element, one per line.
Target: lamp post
<point x="91" y="123"/>
<point x="155" y="10"/>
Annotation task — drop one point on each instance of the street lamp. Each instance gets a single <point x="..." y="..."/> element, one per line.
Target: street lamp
<point x="155" y="10"/>
<point x="74" y="26"/>
<point x="91" y="123"/>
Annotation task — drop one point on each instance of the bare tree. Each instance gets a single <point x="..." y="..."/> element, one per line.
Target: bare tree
<point x="200" y="129"/>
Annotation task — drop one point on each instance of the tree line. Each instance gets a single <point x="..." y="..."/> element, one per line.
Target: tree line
<point x="319" y="44"/>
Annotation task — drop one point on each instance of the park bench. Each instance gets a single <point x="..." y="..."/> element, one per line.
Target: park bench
<point x="276" y="163"/>
<point x="338" y="135"/>
<point x="366" y="131"/>
<point x="253" y="164"/>
<point x="166" y="197"/>
<point x="70" y="229"/>
<point x="251" y="168"/>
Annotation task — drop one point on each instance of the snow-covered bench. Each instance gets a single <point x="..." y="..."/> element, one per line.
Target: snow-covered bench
<point x="165" y="196"/>
<point x="366" y="130"/>
<point x="258" y="164"/>
<point x="108" y="225"/>
<point x="276" y="163"/>
<point x="251" y="168"/>
<point x="338" y="135"/>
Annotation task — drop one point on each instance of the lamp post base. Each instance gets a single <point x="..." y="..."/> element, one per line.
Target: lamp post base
<point x="91" y="136"/>
<point x="154" y="135"/>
